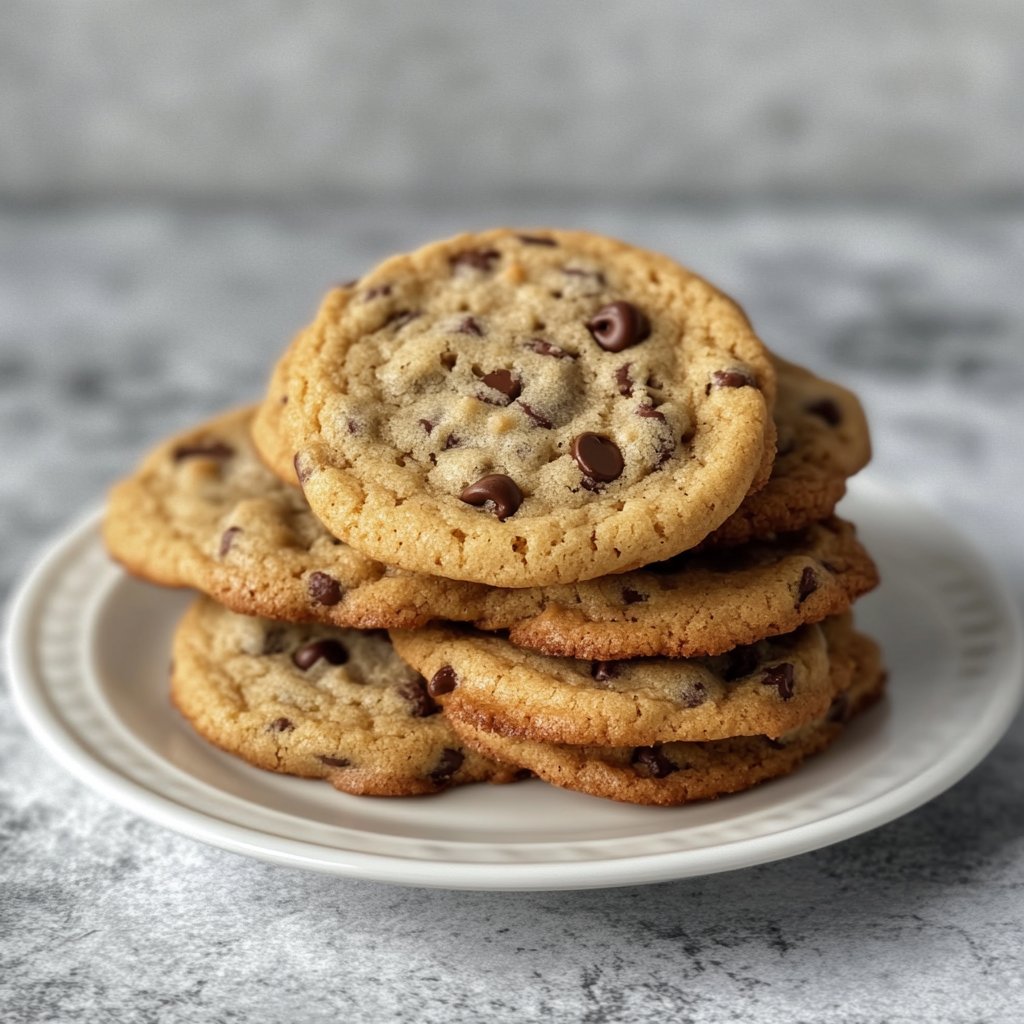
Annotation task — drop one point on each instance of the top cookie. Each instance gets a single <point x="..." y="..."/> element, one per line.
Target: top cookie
<point x="528" y="408"/>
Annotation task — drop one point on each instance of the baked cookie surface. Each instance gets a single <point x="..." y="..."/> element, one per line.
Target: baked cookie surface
<point x="317" y="702"/>
<point x="669" y="774"/>
<point x="522" y="409"/>
<point x="767" y="688"/>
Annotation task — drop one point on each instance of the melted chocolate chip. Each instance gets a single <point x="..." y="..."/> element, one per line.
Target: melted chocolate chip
<point x="497" y="489"/>
<point x="207" y="450"/>
<point x="444" y="680"/>
<point x="280" y="725"/>
<point x="545" y="348"/>
<point x="323" y="589"/>
<point x="602" y="671"/>
<point x="421" y="704"/>
<point x="651" y="763"/>
<point x="631" y="596"/>
<point x="505" y="382"/>
<point x="734" y="378"/>
<point x="781" y="677"/>
<point x="695" y="695"/>
<point x="476" y="259"/>
<point x="648" y="412"/>
<point x="450" y="763"/>
<point x="598" y="457"/>
<point x="468" y="325"/>
<point x="332" y="651"/>
<point x="618" y="326"/>
<point x="537" y="240"/>
<point x="826" y="409"/>
<point x="808" y="585"/>
<point x="624" y="381"/>
<point x="227" y="538"/>
<point x="541" y="421"/>
<point x="333" y="762"/>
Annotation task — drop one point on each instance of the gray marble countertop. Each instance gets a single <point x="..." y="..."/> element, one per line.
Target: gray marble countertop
<point x="118" y="326"/>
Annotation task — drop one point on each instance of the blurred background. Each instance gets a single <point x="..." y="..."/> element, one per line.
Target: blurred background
<point x="180" y="182"/>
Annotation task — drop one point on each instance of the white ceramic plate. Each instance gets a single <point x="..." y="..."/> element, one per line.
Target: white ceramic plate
<point x="88" y="656"/>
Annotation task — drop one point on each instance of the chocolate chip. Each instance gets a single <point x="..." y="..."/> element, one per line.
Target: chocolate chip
<point x="333" y="762"/>
<point x="421" y="703"/>
<point x="545" y="348"/>
<point x="444" y="680"/>
<point x="399" y="319"/>
<point x="598" y="457"/>
<point x="734" y="378"/>
<point x="427" y="425"/>
<point x="651" y="763"/>
<point x="694" y="695"/>
<point x="281" y="725"/>
<point x="450" y="763"/>
<point x="227" y="538"/>
<point x="602" y="671"/>
<point x="839" y="709"/>
<point x="468" y="325"/>
<point x="452" y="441"/>
<point x="541" y="421"/>
<point x="332" y="651"/>
<point x="203" y="450"/>
<point x="624" y="381"/>
<point x="631" y="596"/>
<point x="497" y="489"/>
<point x="826" y="409"/>
<point x="505" y="382"/>
<point x="808" y="585"/>
<point x="740" y="662"/>
<point x="537" y="240"/>
<point x="448" y="360"/>
<point x="353" y="426"/>
<point x="477" y="259"/>
<point x="618" y="325"/>
<point x="781" y="677"/>
<point x="376" y="292"/>
<point x="648" y="412"/>
<point x="323" y="589"/>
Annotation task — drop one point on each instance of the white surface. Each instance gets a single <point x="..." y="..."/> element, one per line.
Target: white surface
<point x="88" y="649"/>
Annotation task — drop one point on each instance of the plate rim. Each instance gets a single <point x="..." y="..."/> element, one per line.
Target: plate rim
<point x="34" y="705"/>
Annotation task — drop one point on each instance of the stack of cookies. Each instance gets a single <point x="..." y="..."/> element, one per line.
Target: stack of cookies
<point x="517" y="504"/>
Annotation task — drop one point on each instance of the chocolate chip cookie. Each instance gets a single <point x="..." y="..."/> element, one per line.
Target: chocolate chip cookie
<point x="669" y="774"/>
<point x="317" y="702"/>
<point x="527" y="408"/>
<point x="767" y="688"/>
<point x="202" y="511"/>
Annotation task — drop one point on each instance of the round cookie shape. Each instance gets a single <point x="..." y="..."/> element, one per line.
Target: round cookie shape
<point x="505" y="410"/>
<point x="317" y="702"/>
<point x="766" y="688"/>
<point x="670" y="774"/>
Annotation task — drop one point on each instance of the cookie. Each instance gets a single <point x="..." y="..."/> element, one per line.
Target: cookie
<point x="823" y="440"/>
<point x="669" y="774"/>
<point x="522" y="409"/>
<point x="317" y="702"/>
<point x="767" y="688"/>
<point x="203" y="512"/>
